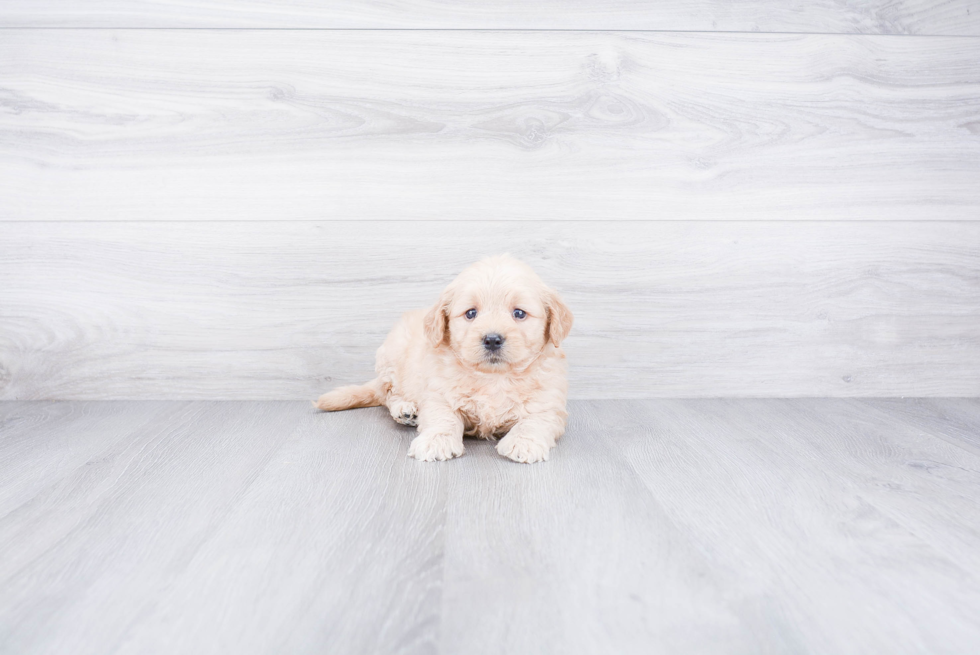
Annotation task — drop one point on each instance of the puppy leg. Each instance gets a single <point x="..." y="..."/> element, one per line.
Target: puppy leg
<point x="440" y="433"/>
<point x="403" y="411"/>
<point x="532" y="439"/>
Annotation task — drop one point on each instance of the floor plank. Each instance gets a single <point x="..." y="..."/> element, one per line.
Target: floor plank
<point x="956" y="420"/>
<point x="42" y="442"/>
<point x="338" y="541"/>
<point x="660" y="526"/>
<point x="276" y="125"/>
<point x="773" y="495"/>
<point x="830" y="16"/>
<point x="137" y="511"/>
<point x="288" y="310"/>
<point x="575" y="557"/>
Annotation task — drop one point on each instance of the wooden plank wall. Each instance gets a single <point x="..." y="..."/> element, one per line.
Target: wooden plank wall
<point x="922" y="17"/>
<point x="242" y="213"/>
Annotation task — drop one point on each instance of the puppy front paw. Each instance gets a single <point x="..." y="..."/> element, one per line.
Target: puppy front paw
<point x="405" y="412"/>
<point x="524" y="448"/>
<point x="432" y="446"/>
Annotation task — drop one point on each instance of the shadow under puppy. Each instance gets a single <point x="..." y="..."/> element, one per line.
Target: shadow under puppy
<point x="485" y="361"/>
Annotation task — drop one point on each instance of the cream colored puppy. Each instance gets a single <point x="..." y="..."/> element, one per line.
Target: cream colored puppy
<point x="485" y="361"/>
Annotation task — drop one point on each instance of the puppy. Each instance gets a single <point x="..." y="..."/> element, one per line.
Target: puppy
<point x="485" y="361"/>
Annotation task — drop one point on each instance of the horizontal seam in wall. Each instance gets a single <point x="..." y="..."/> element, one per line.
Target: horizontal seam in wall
<point x="506" y="220"/>
<point x="487" y="29"/>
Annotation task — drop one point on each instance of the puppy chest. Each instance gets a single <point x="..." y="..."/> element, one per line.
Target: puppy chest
<point x="486" y="414"/>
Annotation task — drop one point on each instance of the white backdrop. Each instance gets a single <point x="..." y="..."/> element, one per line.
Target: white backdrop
<point x="216" y="213"/>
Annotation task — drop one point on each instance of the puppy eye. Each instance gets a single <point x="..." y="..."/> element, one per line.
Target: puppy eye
<point x="520" y="314"/>
<point x="470" y="314"/>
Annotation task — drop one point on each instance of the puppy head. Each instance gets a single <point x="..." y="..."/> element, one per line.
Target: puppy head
<point x="498" y="315"/>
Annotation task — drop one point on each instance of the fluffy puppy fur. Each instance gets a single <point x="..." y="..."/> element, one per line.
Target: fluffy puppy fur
<point x="485" y="361"/>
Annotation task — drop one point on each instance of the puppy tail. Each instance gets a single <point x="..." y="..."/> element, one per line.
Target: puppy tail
<point x="351" y="397"/>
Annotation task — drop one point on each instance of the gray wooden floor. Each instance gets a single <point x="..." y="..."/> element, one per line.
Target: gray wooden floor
<point x="662" y="526"/>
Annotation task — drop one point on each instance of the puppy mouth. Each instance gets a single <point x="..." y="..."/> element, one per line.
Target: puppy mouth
<point x="494" y="359"/>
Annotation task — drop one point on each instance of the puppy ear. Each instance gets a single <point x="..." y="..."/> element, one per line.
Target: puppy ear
<point x="436" y="320"/>
<point x="559" y="318"/>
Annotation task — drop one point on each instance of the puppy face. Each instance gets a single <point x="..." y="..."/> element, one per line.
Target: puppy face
<point x="498" y="316"/>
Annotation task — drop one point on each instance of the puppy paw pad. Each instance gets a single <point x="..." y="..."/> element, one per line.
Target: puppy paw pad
<point x="405" y="413"/>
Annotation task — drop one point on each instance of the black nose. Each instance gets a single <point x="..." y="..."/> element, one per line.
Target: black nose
<point x="493" y="341"/>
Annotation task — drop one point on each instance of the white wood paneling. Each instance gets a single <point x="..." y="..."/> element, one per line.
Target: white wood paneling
<point x="288" y="309"/>
<point x="278" y="125"/>
<point x="828" y="16"/>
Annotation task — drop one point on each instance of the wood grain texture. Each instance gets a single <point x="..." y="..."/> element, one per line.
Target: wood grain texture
<point x="70" y="433"/>
<point x="274" y="310"/>
<point x="362" y="528"/>
<point x="833" y="16"/>
<point x="938" y="476"/>
<point x="577" y="557"/>
<point x="952" y="419"/>
<point x="792" y="487"/>
<point x="136" y="510"/>
<point x="354" y="125"/>
<point x="661" y="526"/>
